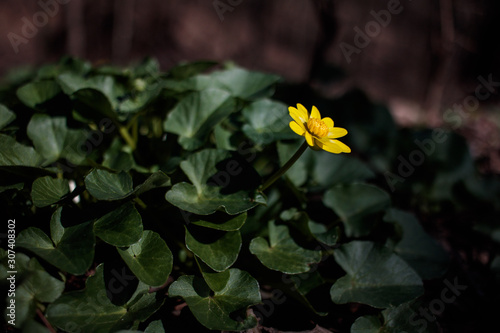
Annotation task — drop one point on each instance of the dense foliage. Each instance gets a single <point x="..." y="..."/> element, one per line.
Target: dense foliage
<point x="135" y="192"/>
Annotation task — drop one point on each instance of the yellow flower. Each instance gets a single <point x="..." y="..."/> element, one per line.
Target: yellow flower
<point x="319" y="133"/>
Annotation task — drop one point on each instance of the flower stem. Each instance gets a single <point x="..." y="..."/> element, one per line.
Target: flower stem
<point x="285" y="167"/>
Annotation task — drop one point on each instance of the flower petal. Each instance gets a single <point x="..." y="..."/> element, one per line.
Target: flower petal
<point x="329" y="147"/>
<point x="315" y="113"/>
<point x="297" y="128"/>
<point x="328" y="122"/>
<point x="297" y="116"/>
<point x="309" y="139"/>
<point x="343" y="146"/>
<point x="303" y="111"/>
<point x="336" y="132"/>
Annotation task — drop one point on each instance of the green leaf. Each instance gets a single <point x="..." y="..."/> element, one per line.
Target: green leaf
<point x="33" y="287"/>
<point x="183" y="71"/>
<point x="47" y="190"/>
<point x="282" y="253"/>
<point x="54" y="140"/>
<point x="402" y="318"/>
<point x="149" y="259"/>
<point x="194" y="117"/>
<point x="12" y="153"/>
<point x="73" y="252"/>
<point x="375" y="276"/>
<point x="221" y="221"/>
<point x="6" y="116"/>
<point x="218" y="249"/>
<point x="247" y="85"/>
<point x="35" y="93"/>
<point x="120" y="227"/>
<point x="239" y="291"/>
<point x="417" y="248"/>
<point x="204" y="197"/>
<point x="93" y="104"/>
<point x="104" y="185"/>
<point x="155" y="180"/>
<point x="309" y="228"/>
<point x="355" y="204"/>
<point x="90" y="310"/>
<point x="267" y="121"/>
<point x="155" y="327"/>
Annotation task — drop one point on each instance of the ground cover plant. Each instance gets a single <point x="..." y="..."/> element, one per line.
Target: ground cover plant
<point x="136" y="200"/>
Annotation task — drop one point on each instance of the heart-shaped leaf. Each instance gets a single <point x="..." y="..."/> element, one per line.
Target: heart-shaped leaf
<point x="218" y="249"/>
<point x="47" y="190"/>
<point x="245" y="84"/>
<point x="71" y="249"/>
<point x="375" y="276"/>
<point x="149" y="259"/>
<point x="196" y="114"/>
<point x="236" y="291"/>
<point x="104" y="185"/>
<point x="282" y="253"/>
<point x="120" y="227"/>
<point x="267" y="121"/>
<point x="38" y="92"/>
<point x="417" y="248"/>
<point x="54" y="140"/>
<point x="355" y="203"/>
<point x="12" y="153"/>
<point x="207" y="194"/>
<point x="90" y="310"/>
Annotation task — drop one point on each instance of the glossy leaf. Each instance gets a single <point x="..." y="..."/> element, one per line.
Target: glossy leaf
<point x="38" y="92"/>
<point x="204" y="197"/>
<point x="355" y="204"/>
<point x="194" y="117"/>
<point x="218" y="249"/>
<point x="71" y="249"/>
<point x="267" y="121"/>
<point x="245" y="84"/>
<point x="236" y="291"/>
<point x="120" y="227"/>
<point x="282" y="253"/>
<point x="47" y="190"/>
<point x="149" y="259"/>
<point x="54" y="140"/>
<point x="104" y="185"/>
<point x="90" y="310"/>
<point x="375" y="276"/>
<point x="12" y="153"/>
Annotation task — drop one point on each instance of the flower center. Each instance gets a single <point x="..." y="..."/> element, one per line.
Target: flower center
<point x="317" y="127"/>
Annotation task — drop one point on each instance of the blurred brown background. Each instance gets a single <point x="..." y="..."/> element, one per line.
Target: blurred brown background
<point x="424" y="57"/>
